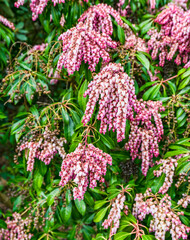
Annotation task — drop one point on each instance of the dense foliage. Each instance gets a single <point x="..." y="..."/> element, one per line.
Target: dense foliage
<point x="94" y="119"/>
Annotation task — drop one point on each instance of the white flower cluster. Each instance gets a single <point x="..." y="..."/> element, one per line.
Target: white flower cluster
<point x="165" y="219"/>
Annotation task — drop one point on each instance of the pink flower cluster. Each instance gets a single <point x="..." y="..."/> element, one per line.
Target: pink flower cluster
<point x="43" y="147"/>
<point x="174" y="35"/>
<point x="89" y="40"/>
<point x="145" y="135"/>
<point x="168" y="167"/>
<point x="136" y="43"/>
<point x="86" y="165"/>
<point x="55" y="76"/>
<point x="16" y="228"/>
<point x="117" y="102"/>
<point x="81" y="43"/>
<point x="123" y="12"/>
<point x="37" y="6"/>
<point x="62" y="21"/>
<point x="7" y="23"/>
<point x="164" y="217"/>
<point x="181" y="3"/>
<point x="98" y="18"/>
<point x="115" y="213"/>
<point x="152" y="4"/>
<point x="133" y="41"/>
<point x="40" y="47"/>
<point x="184" y="201"/>
<point x="153" y="77"/>
<point x="117" y="93"/>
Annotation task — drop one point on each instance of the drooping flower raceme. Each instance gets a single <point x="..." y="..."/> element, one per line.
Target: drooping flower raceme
<point x="37" y="6"/>
<point x="81" y="43"/>
<point x="17" y="228"/>
<point x="115" y="213"/>
<point x="153" y="77"/>
<point x="136" y="43"/>
<point x="165" y="219"/>
<point x="181" y="3"/>
<point x="117" y="93"/>
<point x="54" y="75"/>
<point x="152" y="4"/>
<point x="86" y="165"/>
<point x="7" y="23"/>
<point x="174" y="35"/>
<point x="184" y="201"/>
<point x="145" y="135"/>
<point x="98" y="18"/>
<point x="123" y="12"/>
<point x="39" y="47"/>
<point x="62" y="20"/>
<point x="43" y="147"/>
<point x="168" y="167"/>
<point x="132" y="44"/>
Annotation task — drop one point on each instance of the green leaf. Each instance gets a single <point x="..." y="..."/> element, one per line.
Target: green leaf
<point x="66" y="212"/>
<point x="183" y="141"/>
<point x="121" y="235"/>
<point x="89" y="199"/>
<point x="17" y="203"/>
<point x="52" y="195"/>
<point x="68" y="196"/>
<point x="182" y="122"/>
<point x="148" y="237"/>
<point x="179" y="112"/>
<point x="107" y="141"/>
<point x="29" y="94"/>
<point x="65" y="116"/>
<point x="157" y="183"/>
<point x="185" y="90"/>
<point x="3" y="224"/>
<point x="96" y="190"/>
<point x="42" y="167"/>
<point x="81" y="99"/>
<point x="131" y="218"/>
<point x="185" y="220"/>
<point x="184" y="83"/>
<point x="60" y="234"/>
<point x="183" y="167"/>
<point x="181" y="71"/>
<point x="186" y="74"/>
<point x="17" y="125"/>
<point x="72" y="233"/>
<point x="155" y="92"/>
<point x="121" y="34"/>
<point x="143" y="59"/>
<point x="181" y="117"/>
<point x="99" y="204"/>
<point x="172" y="86"/>
<point x="100" y="214"/>
<point x="173" y="153"/>
<point x="113" y="195"/>
<point x="144" y="23"/>
<point x="149" y="92"/>
<point x="41" y="76"/>
<point x="81" y="206"/>
<point x="38" y="180"/>
<point x="146" y="28"/>
<point x="2" y="115"/>
<point x="21" y="37"/>
<point x="55" y="16"/>
<point x="148" y="84"/>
